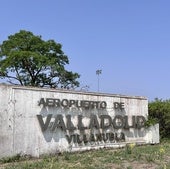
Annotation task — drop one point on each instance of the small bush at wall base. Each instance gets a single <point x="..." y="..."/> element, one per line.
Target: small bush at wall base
<point x="11" y="159"/>
<point x="15" y="158"/>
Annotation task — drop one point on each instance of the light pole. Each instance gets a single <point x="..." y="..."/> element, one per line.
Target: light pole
<point x="98" y="72"/>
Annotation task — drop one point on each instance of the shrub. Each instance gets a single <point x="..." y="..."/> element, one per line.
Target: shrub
<point x="160" y="110"/>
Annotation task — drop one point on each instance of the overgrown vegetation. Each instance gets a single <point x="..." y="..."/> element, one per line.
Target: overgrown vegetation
<point x="159" y="110"/>
<point x="130" y="157"/>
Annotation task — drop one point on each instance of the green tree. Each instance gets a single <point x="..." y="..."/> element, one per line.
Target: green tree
<point x="160" y="110"/>
<point x="28" y="60"/>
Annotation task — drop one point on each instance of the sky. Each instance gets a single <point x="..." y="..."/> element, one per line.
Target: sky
<point x="129" y="40"/>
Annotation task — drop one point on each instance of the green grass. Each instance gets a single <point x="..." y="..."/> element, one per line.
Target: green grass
<point x="130" y="157"/>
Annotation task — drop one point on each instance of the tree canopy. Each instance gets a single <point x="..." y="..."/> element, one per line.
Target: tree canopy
<point x="28" y="60"/>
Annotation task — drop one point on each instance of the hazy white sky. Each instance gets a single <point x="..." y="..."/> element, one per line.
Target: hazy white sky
<point x="128" y="39"/>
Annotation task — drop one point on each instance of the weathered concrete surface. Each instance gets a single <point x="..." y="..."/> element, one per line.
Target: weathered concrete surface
<point x="152" y="134"/>
<point x="20" y="130"/>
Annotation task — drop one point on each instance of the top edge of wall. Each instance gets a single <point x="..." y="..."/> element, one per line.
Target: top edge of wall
<point x="71" y="91"/>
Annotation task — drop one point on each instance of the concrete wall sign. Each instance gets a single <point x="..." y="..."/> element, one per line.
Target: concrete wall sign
<point x="39" y="121"/>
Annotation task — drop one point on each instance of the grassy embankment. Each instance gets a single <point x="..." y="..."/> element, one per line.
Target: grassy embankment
<point x="130" y="157"/>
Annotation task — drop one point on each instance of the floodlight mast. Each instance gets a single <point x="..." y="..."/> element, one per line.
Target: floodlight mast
<point x="98" y="72"/>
